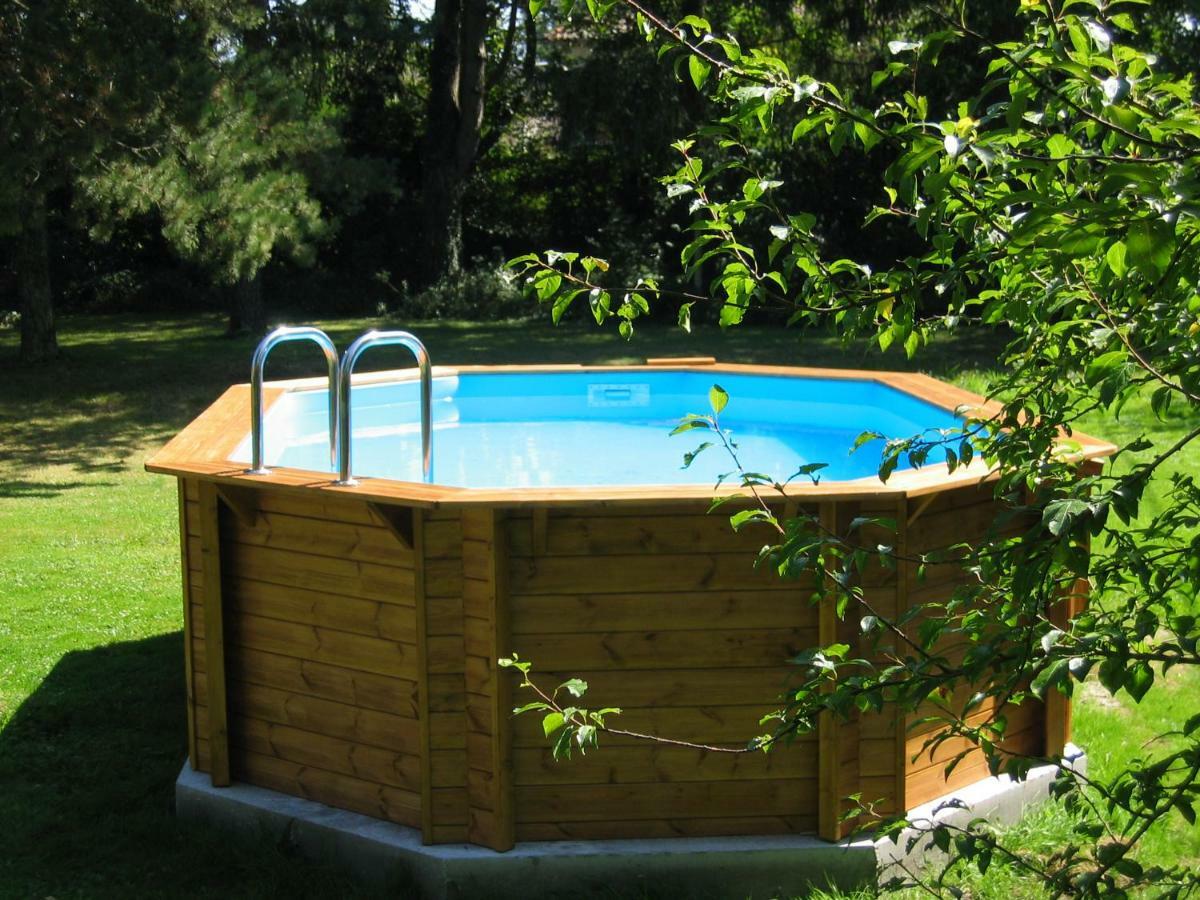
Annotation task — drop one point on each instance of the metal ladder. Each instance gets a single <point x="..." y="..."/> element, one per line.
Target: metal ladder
<point x="340" y="383"/>
<point x="279" y="336"/>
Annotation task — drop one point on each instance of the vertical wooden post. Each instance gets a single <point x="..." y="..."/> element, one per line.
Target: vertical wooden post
<point x="1057" y="707"/>
<point x="903" y="570"/>
<point x="214" y="633"/>
<point x="423" y="704"/>
<point x="491" y="817"/>
<point x="837" y="741"/>
<point x="188" y="629"/>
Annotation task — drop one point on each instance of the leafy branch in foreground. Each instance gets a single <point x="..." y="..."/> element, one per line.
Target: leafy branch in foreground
<point x="571" y="727"/>
<point x="1056" y="198"/>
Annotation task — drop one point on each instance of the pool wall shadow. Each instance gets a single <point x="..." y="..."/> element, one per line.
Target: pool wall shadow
<point x="87" y="769"/>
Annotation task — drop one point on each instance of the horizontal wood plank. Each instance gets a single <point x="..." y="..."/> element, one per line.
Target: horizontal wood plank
<point x="351" y="687"/>
<point x="728" y="726"/>
<point x="583" y="803"/>
<point x="605" y="535"/>
<point x="321" y="537"/>
<point x="634" y="574"/>
<point x="389" y="621"/>
<point x="653" y="763"/>
<point x="648" y="650"/>
<point x="331" y="788"/>
<point x="586" y="612"/>
<point x="339" y="648"/>
<point x="360" y="726"/>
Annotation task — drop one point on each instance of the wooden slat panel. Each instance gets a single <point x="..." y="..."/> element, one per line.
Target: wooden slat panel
<point x="361" y="543"/>
<point x="919" y="754"/>
<point x="382" y="693"/>
<point x="326" y="717"/>
<point x="604" y="535"/>
<point x="931" y="783"/>
<point x="316" y="505"/>
<point x="337" y="648"/>
<point x="558" y="804"/>
<point x="632" y="574"/>
<point x="549" y="614"/>
<point x="388" y="621"/>
<point x="308" y="748"/>
<point x="368" y="581"/>
<point x="382" y="802"/>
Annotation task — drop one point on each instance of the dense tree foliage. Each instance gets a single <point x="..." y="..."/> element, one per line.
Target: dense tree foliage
<point x="321" y="155"/>
<point x="1056" y="194"/>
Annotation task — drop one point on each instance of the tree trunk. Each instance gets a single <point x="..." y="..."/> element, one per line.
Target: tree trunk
<point x="246" y="310"/>
<point x="454" y="119"/>
<point x="39" y="342"/>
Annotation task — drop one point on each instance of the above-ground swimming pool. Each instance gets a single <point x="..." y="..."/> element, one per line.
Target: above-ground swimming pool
<point x="556" y="429"/>
<point x="341" y="640"/>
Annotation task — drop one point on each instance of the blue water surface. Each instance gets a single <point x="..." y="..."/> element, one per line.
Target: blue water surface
<point x="556" y="429"/>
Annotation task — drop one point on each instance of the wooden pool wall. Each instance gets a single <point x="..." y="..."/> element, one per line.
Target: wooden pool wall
<point x="344" y="650"/>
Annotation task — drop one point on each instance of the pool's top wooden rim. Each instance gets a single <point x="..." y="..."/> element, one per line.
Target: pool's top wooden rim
<point x="203" y="448"/>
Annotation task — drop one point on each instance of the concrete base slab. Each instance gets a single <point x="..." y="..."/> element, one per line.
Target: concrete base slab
<point x="392" y="856"/>
<point x="1000" y="800"/>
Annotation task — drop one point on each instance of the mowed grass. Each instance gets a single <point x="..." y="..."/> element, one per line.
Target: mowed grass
<point x="91" y="690"/>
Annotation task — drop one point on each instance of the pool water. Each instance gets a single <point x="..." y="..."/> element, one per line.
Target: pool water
<point x="556" y="429"/>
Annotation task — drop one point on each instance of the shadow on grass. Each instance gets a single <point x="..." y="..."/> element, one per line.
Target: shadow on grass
<point x="43" y="489"/>
<point x="87" y="770"/>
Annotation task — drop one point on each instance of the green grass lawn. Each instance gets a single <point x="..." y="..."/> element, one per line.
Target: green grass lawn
<point x="91" y="690"/>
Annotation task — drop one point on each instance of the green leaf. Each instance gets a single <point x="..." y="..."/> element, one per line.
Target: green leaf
<point x="577" y="687"/>
<point x="1150" y="245"/>
<point x="552" y="722"/>
<point x="535" y="6"/>
<point x="1104" y="367"/>
<point x="1061" y="514"/>
<point x="1116" y="259"/>
<point x="689" y="458"/>
<point x="691" y="423"/>
<point x="699" y="70"/>
<point x="717" y="398"/>
<point x="1138" y="680"/>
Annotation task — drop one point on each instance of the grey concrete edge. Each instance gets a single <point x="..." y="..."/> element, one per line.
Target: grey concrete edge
<point x="392" y="856"/>
<point x="1000" y="800"/>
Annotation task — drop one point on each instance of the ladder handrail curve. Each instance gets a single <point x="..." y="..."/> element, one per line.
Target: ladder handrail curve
<point x="349" y="359"/>
<point x="281" y="335"/>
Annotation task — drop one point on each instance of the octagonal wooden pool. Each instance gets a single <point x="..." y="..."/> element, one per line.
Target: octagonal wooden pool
<point x="341" y="639"/>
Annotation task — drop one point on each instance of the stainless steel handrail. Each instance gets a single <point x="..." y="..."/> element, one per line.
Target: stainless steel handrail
<point x="265" y="346"/>
<point x="349" y="358"/>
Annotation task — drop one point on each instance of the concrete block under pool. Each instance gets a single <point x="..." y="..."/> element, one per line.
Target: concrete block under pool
<point x="341" y="641"/>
